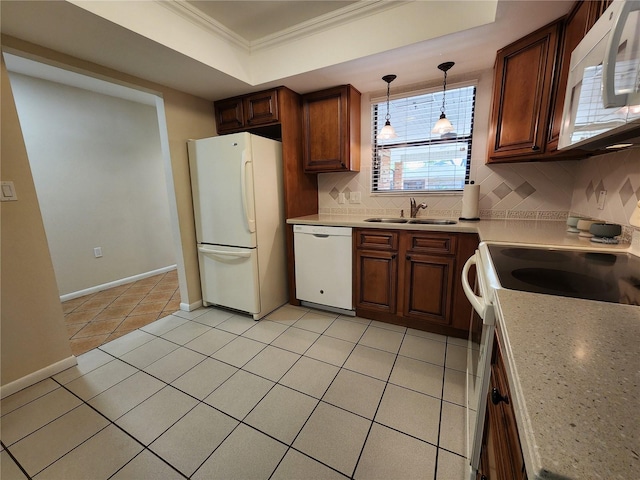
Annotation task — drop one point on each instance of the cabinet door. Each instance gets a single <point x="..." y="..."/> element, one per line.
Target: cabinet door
<point x="501" y="455"/>
<point x="522" y="87"/>
<point x="229" y="115"/>
<point x="261" y="108"/>
<point x="331" y="130"/>
<point x="376" y="280"/>
<point x="428" y="285"/>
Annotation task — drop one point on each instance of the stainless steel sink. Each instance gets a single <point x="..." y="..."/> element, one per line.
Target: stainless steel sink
<point x="432" y="221"/>
<point x="387" y="220"/>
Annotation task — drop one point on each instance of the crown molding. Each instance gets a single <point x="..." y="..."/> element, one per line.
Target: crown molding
<point x="197" y="17"/>
<point x="350" y="13"/>
<point x="355" y="11"/>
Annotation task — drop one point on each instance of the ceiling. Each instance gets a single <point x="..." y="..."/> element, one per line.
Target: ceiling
<point x="71" y="28"/>
<point x="253" y="20"/>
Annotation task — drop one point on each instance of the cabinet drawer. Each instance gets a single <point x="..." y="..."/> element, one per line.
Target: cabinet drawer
<point x="441" y="243"/>
<point x="377" y="240"/>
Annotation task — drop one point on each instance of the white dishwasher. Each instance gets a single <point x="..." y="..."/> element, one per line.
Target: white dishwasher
<point x="324" y="266"/>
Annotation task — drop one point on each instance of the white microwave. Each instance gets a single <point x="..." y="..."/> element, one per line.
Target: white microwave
<point x="602" y="102"/>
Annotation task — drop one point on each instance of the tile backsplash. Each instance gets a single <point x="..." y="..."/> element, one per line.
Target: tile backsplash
<point x="520" y="191"/>
<point x="540" y="190"/>
<point x="616" y="173"/>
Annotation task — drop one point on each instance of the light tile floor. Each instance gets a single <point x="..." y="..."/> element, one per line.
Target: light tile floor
<point x="211" y="394"/>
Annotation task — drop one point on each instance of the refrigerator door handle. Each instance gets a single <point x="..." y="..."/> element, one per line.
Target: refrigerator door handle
<point x="251" y="222"/>
<point x="224" y="253"/>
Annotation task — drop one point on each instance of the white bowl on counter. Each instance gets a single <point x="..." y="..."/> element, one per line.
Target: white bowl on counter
<point x="584" y="227"/>
<point x="572" y="222"/>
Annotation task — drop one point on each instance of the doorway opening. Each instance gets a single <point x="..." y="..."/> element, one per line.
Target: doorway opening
<point x="100" y="162"/>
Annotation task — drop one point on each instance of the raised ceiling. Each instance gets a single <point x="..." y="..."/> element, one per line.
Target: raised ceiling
<point x="217" y="49"/>
<point x="253" y="20"/>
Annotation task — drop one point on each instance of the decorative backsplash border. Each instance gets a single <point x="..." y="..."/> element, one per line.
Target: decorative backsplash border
<point x="451" y="214"/>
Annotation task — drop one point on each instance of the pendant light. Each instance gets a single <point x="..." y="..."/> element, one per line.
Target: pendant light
<point x="387" y="131"/>
<point x="443" y="125"/>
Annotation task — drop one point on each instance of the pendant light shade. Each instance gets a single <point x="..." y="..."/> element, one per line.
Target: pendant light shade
<point x="443" y="125"/>
<point x="387" y="131"/>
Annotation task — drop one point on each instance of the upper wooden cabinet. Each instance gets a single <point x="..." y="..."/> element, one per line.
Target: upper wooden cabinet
<point x="529" y="89"/>
<point x="522" y="92"/>
<point x="331" y="130"/>
<point x="241" y="113"/>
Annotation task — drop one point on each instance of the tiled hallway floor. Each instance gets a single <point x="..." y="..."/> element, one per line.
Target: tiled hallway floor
<point x="98" y="318"/>
<point x="209" y="394"/>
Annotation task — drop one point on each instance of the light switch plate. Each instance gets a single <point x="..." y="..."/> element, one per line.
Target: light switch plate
<point x="8" y="192"/>
<point x="602" y="196"/>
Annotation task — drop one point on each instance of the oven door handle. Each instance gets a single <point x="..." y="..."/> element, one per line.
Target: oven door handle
<point x="479" y="304"/>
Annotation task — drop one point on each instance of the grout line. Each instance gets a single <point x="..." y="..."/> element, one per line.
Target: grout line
<point x="15" y="460"/>
<point x="111" y="422"/>
<point x="444" y="371"/>
<point x="241" y="421"/>
<point x="384" y="390"/>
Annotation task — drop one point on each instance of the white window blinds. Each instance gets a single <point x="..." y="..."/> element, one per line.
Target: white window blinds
<point x="417" y="159"/>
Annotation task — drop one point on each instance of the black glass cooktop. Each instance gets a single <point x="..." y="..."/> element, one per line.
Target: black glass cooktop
<point x="607" y="277"/>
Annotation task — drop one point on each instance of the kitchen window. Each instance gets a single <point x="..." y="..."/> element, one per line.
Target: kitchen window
<point x="417" y="160"/>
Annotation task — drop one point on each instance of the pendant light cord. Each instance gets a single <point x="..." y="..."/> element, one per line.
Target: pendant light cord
<point x="387" y="117"/>
<point x="444" y="92"/>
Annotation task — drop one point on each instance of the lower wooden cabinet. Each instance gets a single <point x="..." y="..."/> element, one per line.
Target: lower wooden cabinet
<point x="376" y="272"/>
<point x="501" y="454"/>
<point x="428" y="287"/>
<point x="412" y="278"/>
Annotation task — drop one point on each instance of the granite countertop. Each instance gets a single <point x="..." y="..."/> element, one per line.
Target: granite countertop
<point x="573" y="365"/>
<point x="574" y="371"/>
<point x="532" y="232"/>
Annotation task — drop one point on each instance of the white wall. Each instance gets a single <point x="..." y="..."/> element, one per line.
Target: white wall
<point x="98" y="169"/>
<point x="534" y="190"/>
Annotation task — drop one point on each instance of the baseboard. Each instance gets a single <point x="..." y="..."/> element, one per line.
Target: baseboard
<point x="37" y="376"/>
<point x="116" y="283"/>
<point x="328" y="308"/>
<point x="190" y="307"/>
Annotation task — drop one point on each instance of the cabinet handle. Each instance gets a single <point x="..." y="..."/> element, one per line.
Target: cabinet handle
<point x="483" y="477"/>
<point x="496" y="398"/>
<point x="393" y="257"/>
<point x="535" y="148"/>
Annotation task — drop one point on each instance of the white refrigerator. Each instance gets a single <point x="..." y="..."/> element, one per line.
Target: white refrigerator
<point x="238" y="202"/>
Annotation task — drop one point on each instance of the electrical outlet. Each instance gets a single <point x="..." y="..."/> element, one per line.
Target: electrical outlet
<point x="355" y="197"/>
<point x="602" y="196"/>
<point x="342" y="198"/>
<point x="97" y="252"/>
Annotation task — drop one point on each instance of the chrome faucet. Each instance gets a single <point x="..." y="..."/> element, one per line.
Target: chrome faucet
<point x="415" y="208"/>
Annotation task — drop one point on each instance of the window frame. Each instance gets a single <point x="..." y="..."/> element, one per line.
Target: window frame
<point x="379" y="103"/>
